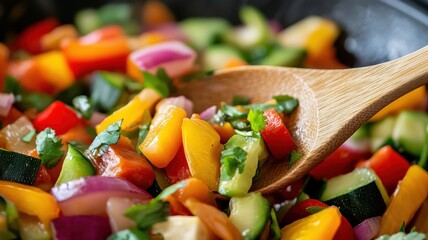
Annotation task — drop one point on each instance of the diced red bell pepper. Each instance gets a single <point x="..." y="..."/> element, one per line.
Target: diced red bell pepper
<point x="57" y="116"/>
<point x="300" y="210"/>
<point x="178" y="169"/>
<point x="276" y="135"/>
<point x="341" y="161"/>
<point x="104" y="33"/>
<point x="110" y="55"/>
<point x="30" y="39"/>
<point x="388" y="165"/>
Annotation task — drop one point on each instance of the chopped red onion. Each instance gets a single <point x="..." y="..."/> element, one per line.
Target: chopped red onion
<point x="6" y="102"/>
<point x="368" y="228"/>
<point x="208" y="113"/>
<point x="97" y="118"/>
<point x="174" y="56"/>
<point x="81" y="227"/>
<point x="88" y="196"/>
<point x="275" y="26"/>
<point x="181" y="102"/>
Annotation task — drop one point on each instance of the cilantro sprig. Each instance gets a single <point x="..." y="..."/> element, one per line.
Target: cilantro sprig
<point x="257" y="120"/>
<point x="232" y="159"/>
<point x="48" y="147"/>
<point x="159" y="82"/>
<point x="103" y="140"/>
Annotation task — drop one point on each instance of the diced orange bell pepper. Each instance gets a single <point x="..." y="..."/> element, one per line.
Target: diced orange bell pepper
<point x="410" y="193"/>
<point x="132" y="112"/>
<point x="235" y="62"/>
<point x="214" y="219"/>
<point x="53" y="39"/>
<point x="31" y="200"/>
<point x="28" y="74"/>
<point x="202" y="148"/>
<point x="122" y="162"/>
<point x="164" y="137"/>
<point x="110" y="54"/>
<point x="321" y="225"/>
<point x="77" y="133"/>
<point x="54" y="69"/>
<point x="225" y="131"/>
<point x="411" y="100"/>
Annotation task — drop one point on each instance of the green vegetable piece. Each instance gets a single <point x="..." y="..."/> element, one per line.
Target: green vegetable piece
<point x="314" y="209"/>
<point x="257" y="120"/>
<point x="107" y="89"/>
<point x="274" y="226"/>
<point x="232" y="159"/>
<point x="101" y="142"/>
<point x="423" y="160"/>
<point x="17" y="167"/>
<point x="48" y="147"/>
<point x="76" y="89"/>
<point x="130" y="234"/>
<point x="9" y="217"/>
<point x="410" y="130"/>
<point x="240" y="100"/>
<point x="287" y="103"/>
<point x="87" y="20"/>
<point x="114" y="13"/>
<point x="294" y="156"/>
<point x="75" y="166"/>
<point x="29" y="136"/>
<point x="285" y="57"/>
<point x="212" y="28"/>
<point x="171" y="190"/>
<point x="12" y="85"/>
<point x="84" y="106"/>
<point x="151" y="81"/>
<point x="163" y="77"/>
<point x="404" y="236"/>
<point x="39" y="101"/>
<point x="148" y="214"/>
<point x="216" y="56"/>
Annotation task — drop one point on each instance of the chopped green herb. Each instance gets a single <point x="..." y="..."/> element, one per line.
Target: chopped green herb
<point x="287" y="103"/>
<point x="11" y="85"/>
<point x="233" y="159"/>
<point x="48" y="147"/>
<point x="257" y="120"/>
<point x="133" y="86"/>
<point x="240" y="100"/>
<point x="28" y="136"/>
<point x="9" y="211"/>
<point x="163" y="76"/>
<point x="39" y="101"/>
<point x="171" y="189"/>
<point x="274" y="227"/>
<point x="101" y="142"/>
<point x="404" y="236"/>
<point x="84" y="106"/>
<point x="130" y="234"/>
<point x="148" y="214"/>
<point x="294" y="157"/>
<point x="403" y="227"/>
<point x="152" y="81"/>
<point x="314" y="209"/>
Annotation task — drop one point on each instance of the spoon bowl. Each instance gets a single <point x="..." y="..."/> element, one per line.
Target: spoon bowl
<point x="333" y="104"/>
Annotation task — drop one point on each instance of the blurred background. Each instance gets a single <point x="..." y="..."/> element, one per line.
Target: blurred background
<point x="374" y="31"/>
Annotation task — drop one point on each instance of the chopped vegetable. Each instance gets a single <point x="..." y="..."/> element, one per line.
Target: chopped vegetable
<point x="49" y="147"/>
<point x="58" y="117"/>
<point x="101" y="142"/>
<point x="16" y="167"/>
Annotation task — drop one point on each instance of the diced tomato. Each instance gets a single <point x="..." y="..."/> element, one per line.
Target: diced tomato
<point x="178" y="169"/>
<point x="388" y="165"/>
<point x="339" y="162"/>
<point x="57" y="116"/>
<point x="276" y="135"/>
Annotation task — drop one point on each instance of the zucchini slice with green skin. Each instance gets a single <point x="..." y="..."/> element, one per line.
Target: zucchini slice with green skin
<point x="409" y="131"/>
<point x="286" y="57"/>
<point x="75" y="166"/>
<point x="107" y="89"/>
<point x="381" y="132"/>
<point x="359" y="195"/>
<point x="236" y="174"/>
<point x="203" y="32"/>
<point x="249" y="214"/>
<point x="17" y="167"/>
<point x="216" y="56"/>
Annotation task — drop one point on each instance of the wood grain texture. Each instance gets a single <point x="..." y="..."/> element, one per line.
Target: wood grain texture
<point x="333" y="103"/>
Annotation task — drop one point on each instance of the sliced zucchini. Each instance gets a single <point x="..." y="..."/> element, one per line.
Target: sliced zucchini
<point x="212" y="28"/>
<point x="381" y="131"/>
<point x="106" y="90"/>
<point x="239" y="161"/>
<point x="217" y="56"/>
<point x="17" y="167"/>
<point x="75" y="166"/>
<point x="359" y="195"/>
<point x="286" y="57"/>
<point x="249" y="214"/>
<point x="409" y="131"/>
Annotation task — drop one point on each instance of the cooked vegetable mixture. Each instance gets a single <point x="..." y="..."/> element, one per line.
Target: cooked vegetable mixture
<point x="94" y="143"/>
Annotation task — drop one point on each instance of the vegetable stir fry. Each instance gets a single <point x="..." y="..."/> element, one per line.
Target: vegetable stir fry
<point x="94" y="143"/>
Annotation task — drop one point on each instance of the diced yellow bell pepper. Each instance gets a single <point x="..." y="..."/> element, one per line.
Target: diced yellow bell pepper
<point x="409" y="195"/>
<point x="411" y="100"/>
<point x="164" y="137"/>
<point x="132" y="112"/>
<point x="202" y="148"/>
<point x="31" y="200"/>
<point x="321" y="225"/>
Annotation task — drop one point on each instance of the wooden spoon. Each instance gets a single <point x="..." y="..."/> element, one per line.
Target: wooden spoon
<point x="333" y="104"/>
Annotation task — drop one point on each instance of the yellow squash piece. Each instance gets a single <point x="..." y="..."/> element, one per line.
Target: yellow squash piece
<point x="321" y="225"/>
<point x="31" y="200"/>
<point x="409" y="195"/>
<point x="164" y="137"/>
<point x="202" y="148"/>
<point x="132" y="112"/>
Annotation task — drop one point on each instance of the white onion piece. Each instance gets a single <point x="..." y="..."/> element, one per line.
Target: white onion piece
<point x="368" y="228"/>
<point x="89" y="195"/>
<point x="116" y="207"/>
<point x="179" y="101"/>
<point x="6" y="102"/>
<point x="174" y="56"/>
<point x="208" y="113"/>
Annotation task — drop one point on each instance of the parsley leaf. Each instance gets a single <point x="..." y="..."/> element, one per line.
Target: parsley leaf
<point x="101" y="142"/>
<point x="171" y="189"/>
<point x="237" y="117"/>
<point x="403" y="236"/>
<point x="12" y="85"/>
<point x="160" y="83"/>
<point x="232" y="159"/>
<point x="287" y="103"/>
<point x="240" y="100"/>
<point x="294" y="157"/>
<point x="84" y="106"/>
<point x="148" y="214"/>
<point x="257" y="120"/>
<point x="28" y="136"/>
<point x="48" y="147"/>
<point x="163" y="76"/>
